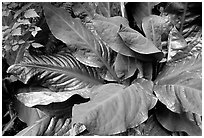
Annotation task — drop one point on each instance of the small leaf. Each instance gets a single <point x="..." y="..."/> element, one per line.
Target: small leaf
<point x="30" y="13"/>
<point x="114" y="108"/>
<point x="37" y="45"/>
<point x="21" y="41"/>
<point x="16" y="32"/>
<point x="14" y="48"/>
<point x="35" y="31"/>
<point x="24" y="21"/>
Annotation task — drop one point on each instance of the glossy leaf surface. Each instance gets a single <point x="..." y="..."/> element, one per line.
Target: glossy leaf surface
<point x="179" y="85"/>
<point x="114" y="108"/>
<point x="153" y="27"/>
<point x="107" y="29"/>
<point x="60" y="72"/>
<point x="177" y="122"/>
<point x="137" y="42"/>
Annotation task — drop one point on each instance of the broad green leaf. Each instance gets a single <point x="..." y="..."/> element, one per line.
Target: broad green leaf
<point x="153" y="28"/>
<point x="72" y="32"/>
<point x="107" y="29"/>
<point x="177" y="122"/>
<point x="60" y="72"/>
<point x="137" y="42"/>
<point x="114" y="108"/>
<point x="179" y="85"/>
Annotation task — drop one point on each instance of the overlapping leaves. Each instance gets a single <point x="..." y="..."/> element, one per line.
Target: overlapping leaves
<point x="114" y="108"/>
<point x="60" y="72"/>
<point x="179" y="85"/>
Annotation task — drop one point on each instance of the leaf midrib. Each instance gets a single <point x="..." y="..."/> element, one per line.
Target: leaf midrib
<point x="65" y="71"/>
<point x="90" y="46"/>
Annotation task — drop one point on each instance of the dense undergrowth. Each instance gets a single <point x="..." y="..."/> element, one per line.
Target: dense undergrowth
<point x="100" y="68"/>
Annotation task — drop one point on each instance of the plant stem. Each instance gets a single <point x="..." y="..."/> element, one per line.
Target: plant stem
<point x="183" y="17"/>
<point x="9" y="124"/>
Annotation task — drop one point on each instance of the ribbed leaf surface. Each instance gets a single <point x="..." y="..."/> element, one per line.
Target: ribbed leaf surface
<point x="60" y="72"/>
<point x="73" y="33"/>
<point x="107" y="29"/>
<point x="179" y="85"/>
<point x="114" y="108"/>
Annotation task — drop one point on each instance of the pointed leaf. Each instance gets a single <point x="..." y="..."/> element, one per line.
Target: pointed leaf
<point x="60" y="72"/>
<point x="114" y="108"/>
<point x="72" y="32"/>
<point x="27" y="114"/>
<point x="177" y="122"/>
<point x="107" y="29"/>
<point x="153" y="29"/>
<point x="125" y="67"/>
<point x="179" y="85"/>
<point x="30" y="13"/>
<point x="137" y="42"/>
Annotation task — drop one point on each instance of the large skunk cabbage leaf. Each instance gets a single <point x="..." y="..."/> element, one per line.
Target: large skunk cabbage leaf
<point x="179" y="85"/>
<point x="73" y="33"/>
<point x="114" y="108"/>
<point x="60" y="72"/>
<point x="138" y="43"/>
<point x="107" y="29"/>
